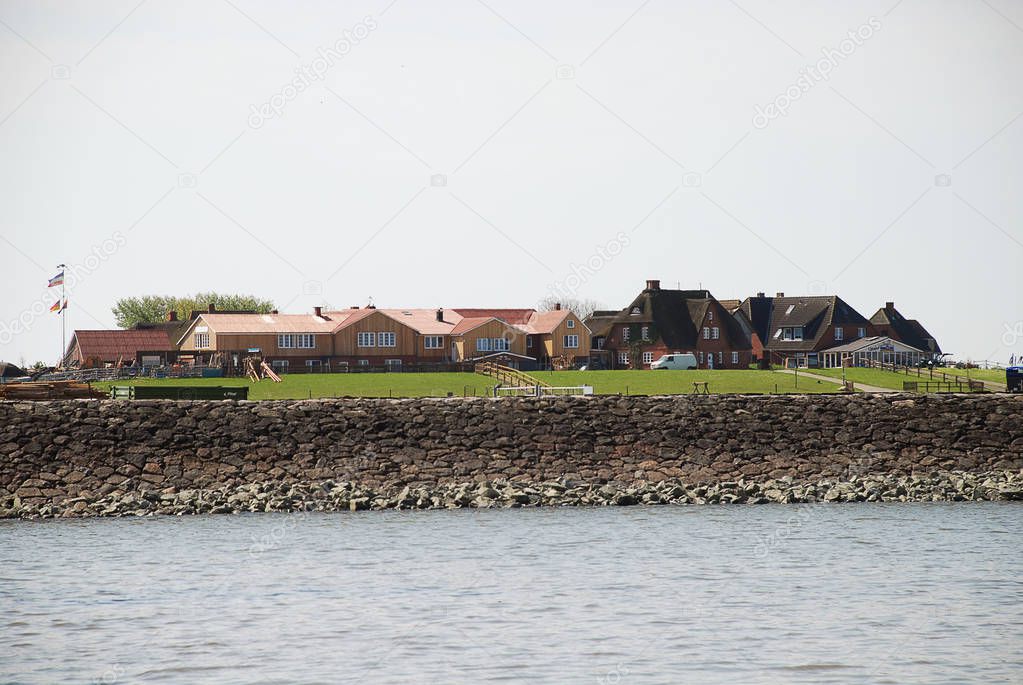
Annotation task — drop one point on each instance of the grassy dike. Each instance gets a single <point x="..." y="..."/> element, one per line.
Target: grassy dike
<point x="304" y="386"/>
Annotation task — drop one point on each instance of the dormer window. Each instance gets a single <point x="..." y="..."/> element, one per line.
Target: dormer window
<point x="635" y="311"/>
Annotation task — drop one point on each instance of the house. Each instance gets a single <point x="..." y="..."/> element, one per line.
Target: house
<point x="792" y="331"/>
<point x="98" y="348"/>
<point x="660" y="321"/>
<point x="872" y="351"/>
<point x="888" y="321"/>
<point x="286" y="341"/>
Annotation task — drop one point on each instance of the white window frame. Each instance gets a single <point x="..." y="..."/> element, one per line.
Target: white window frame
<point x="363" y="362"/>
<point x="366" y="339"/>
<point x="202" y="341"/>
<point x="706" y="332"/>
<point x="735" y="357"/>
<point x="285" y="341"/>
<point x="570" y="324"/>
<point x="721" y="357"/>
<point x="316" y="364"/>
<point x="644" y="333"/>
<point x="623" y="358"/>
<point x="710" y="315"/>
<point x="625" y="334"/>
<point x="715" y="333"/>
<point x="387" y="339"/>
<point x="700" y="355"/>
<point x="861" y="332"/>
<point x="305" y="341"/>
<point x="648" y="357"/>
<point x="839" y="333"/>
<point x="281" y="364"/>
<point x="433" y="342"/>
<point x="392" y="363"/>
<point x="571" y="342"/>
<point x="483" y="344"/>
<point x="500" y="345"/>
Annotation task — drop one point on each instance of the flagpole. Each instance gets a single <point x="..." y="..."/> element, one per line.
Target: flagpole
<point x="63" y="309"/>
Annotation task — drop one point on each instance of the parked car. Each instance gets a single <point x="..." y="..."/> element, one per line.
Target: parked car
<point x="675" y="361"/>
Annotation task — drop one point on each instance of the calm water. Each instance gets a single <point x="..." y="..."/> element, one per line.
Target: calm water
<point x="790" y="594"/>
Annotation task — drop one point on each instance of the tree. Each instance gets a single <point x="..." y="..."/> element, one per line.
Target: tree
<point x="129" y="311"/>
<point x="579" y="307"/>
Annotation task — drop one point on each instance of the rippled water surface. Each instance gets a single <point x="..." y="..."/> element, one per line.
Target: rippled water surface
<point x="790" y="594"/>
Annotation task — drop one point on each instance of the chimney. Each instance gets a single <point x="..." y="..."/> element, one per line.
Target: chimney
<point x="318" y="311"/>
<point x="212" y="308"/>
<point x="274" y="311"/>
<point x="653" y="284"/>
<point x="355" y="306"/>
<point x="557" y="306"/>
<point x="779" y="294"/>
<point x="172" y="315"/>
<point x="440" y="315"/>
<point x="889" y="305"/>
<point x="760" y="294"/>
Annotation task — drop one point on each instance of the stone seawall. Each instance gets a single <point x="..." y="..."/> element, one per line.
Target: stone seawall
<point x="85" y="457"/>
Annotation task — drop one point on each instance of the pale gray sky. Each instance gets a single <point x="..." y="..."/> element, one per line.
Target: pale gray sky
<point x="472" y="153"/>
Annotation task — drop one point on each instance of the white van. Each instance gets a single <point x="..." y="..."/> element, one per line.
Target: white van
<point x="675" y="361"/>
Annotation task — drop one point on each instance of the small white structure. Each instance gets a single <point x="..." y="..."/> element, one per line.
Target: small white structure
<point x="872" y="351"/>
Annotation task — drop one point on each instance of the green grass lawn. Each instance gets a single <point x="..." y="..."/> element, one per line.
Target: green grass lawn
<point x="315" y="385"/>
<point x="303" y="386"/>
<point x="996" y="375"/>
<point x="681" y="382"/>
<point x="885" y="379"/>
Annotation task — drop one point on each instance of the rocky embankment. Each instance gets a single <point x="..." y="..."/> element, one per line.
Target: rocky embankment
<point x="330" y="496"/>
<point x="91" y="457"/>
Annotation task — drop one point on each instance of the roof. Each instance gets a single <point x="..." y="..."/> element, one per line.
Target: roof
<point x="813" y="313"/>
<point x="600" y="321"/>
<point x="425" y="321"/>
<point x="545" y="322"/>
<point x="909" y="331"/>
<point x="9" y="370"/>
<point x="234" y="324"/>
<point x="111" y="345"/>
<point x="730" y="305"/>
<point x="856" y="345"/>
<point x="469" y="323"/>
<point x="516" y="317"/>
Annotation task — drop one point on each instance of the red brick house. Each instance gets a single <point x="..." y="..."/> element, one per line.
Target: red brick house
<point x="660" y="322"/>
<point x="889" y="322"/>
<point x="792" y="331"/>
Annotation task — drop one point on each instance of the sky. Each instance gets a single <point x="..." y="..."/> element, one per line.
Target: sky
<point x="467" y="153"/>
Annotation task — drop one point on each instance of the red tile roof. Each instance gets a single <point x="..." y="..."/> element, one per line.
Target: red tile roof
<point x="516" y="317"/>
<point x="469" y="323"/>
<point x="112" y="345"/>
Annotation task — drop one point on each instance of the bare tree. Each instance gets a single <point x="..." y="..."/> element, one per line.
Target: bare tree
<point x="579" y="307"/>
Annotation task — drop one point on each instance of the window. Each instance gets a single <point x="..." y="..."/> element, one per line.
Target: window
<point x="202" y="341"/>
<point x="482" y="344"/>
<point x="625" y="334"/>
<point x="385" y="339"/>
<point x="700" y="355"/>
<point x="648" y="357"/>
<point x="570" y="324"/>
<point x="839" y="334"/>
<point x="715" y="332"/>
<point x="635" y="311"/>
<point x="644" y="333"/>
<point x="305" y="341"/>
<point x="367" y="340"/>
<point x="710" y="315"/>
<point x="529" y="342"/>
<point x="706" y="333"/>
<point x="500" y="344"/>
<point x="363" y="362"/>
<point x="795" y="333"/>
<point x="735" y="357"/>
<point x="433" y="342"/>
<point x="861" y="332"/>
<point x="571" y="341"/>
<point x="789" y="310"/>
<point x="285" y="341"/>
<point x="623" y="358"/>
<point x="280" y="365"/>
<point x="393" y="364"/>
<point x="600" y="343"/>
<point x="313" y="365"/>
<point x="721" y="357"/>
